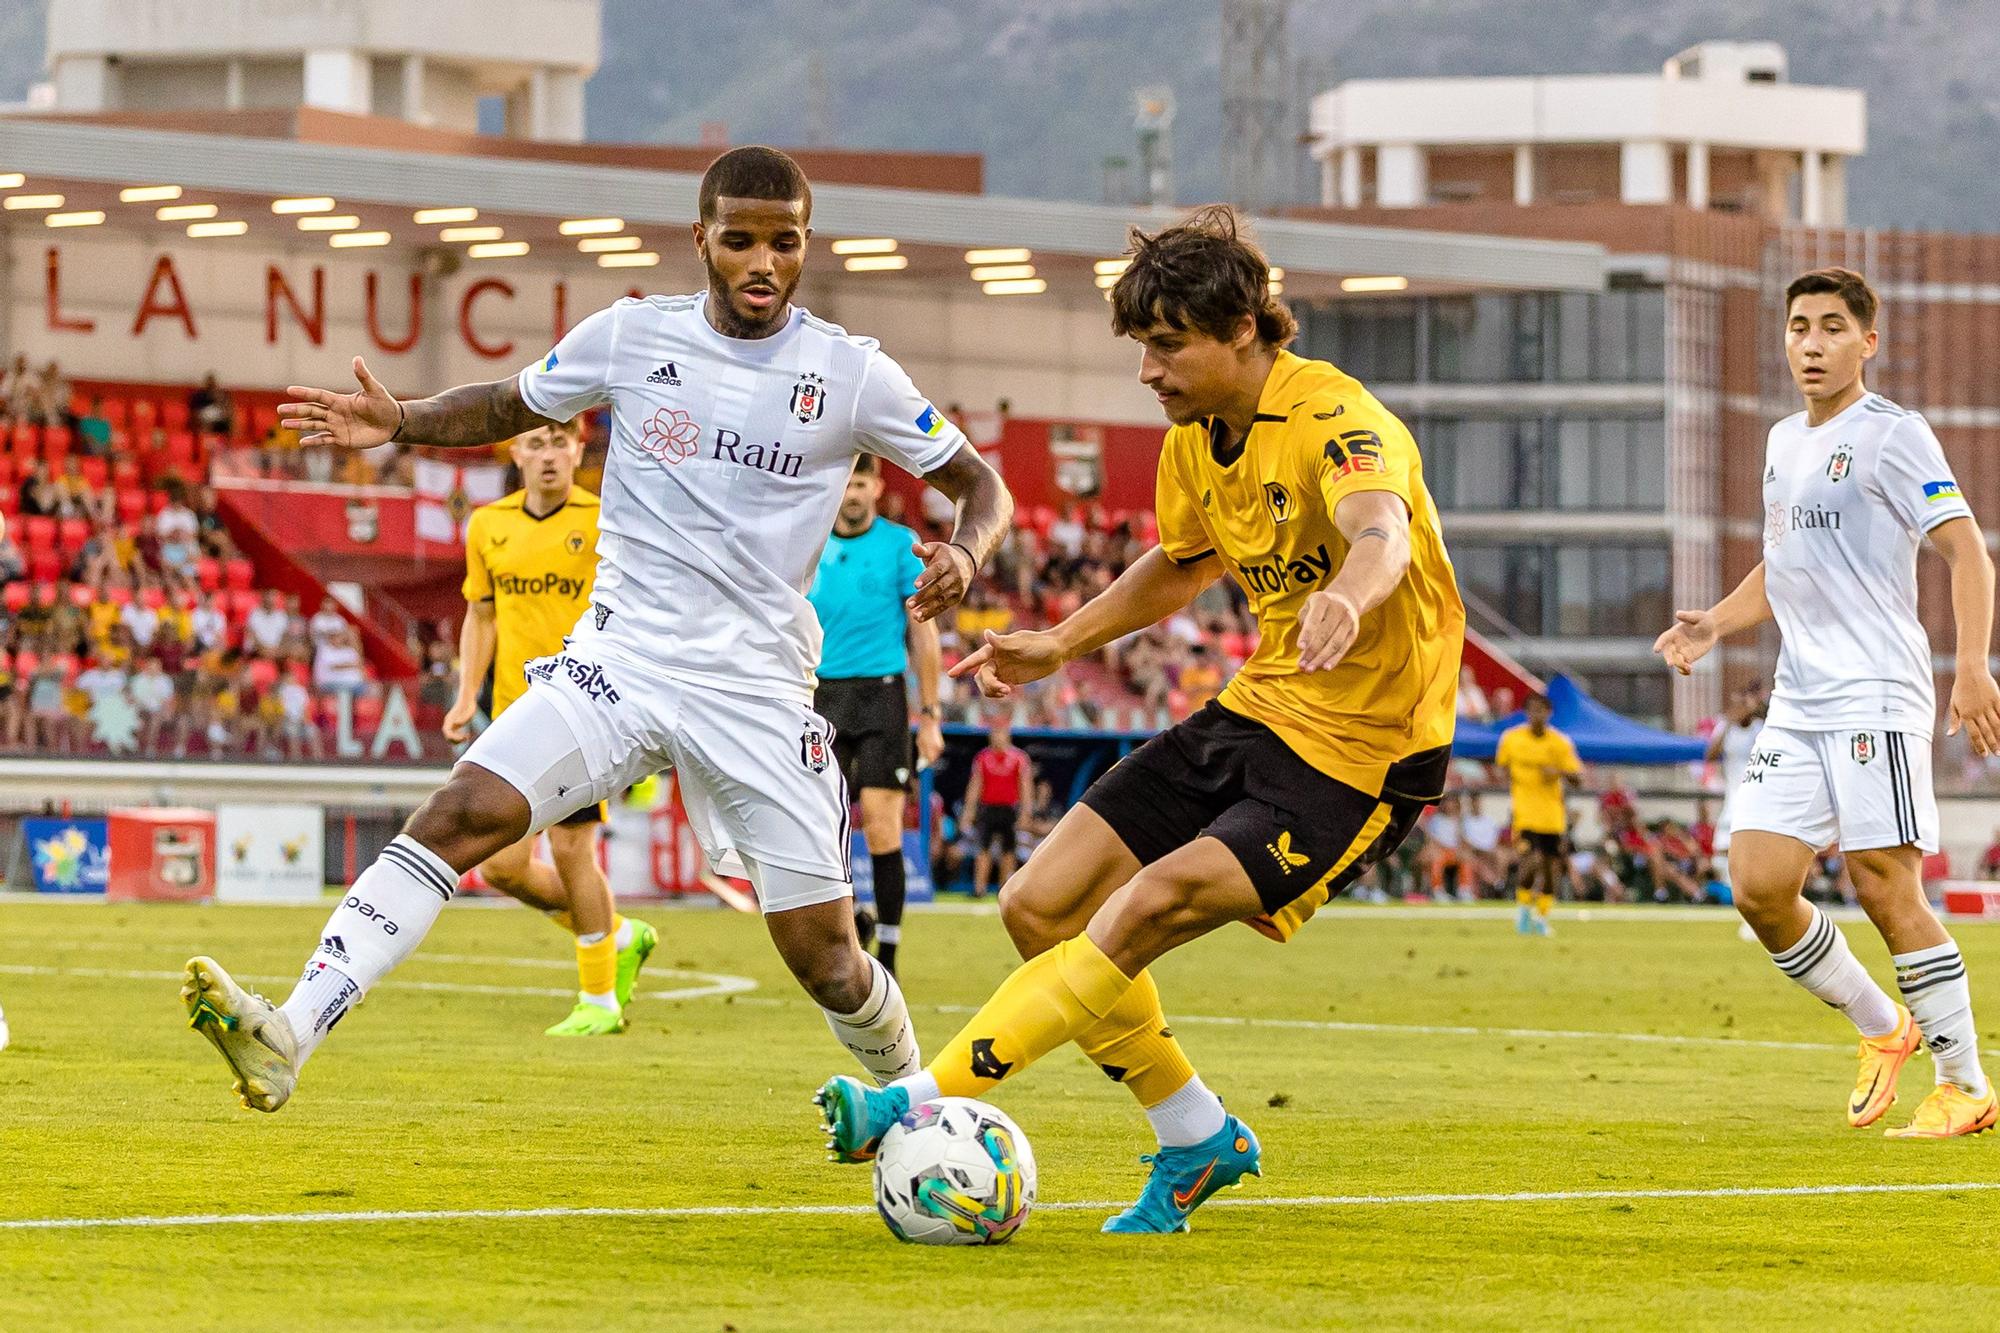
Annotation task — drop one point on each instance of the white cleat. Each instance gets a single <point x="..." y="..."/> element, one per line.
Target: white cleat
<point x="252" y="1035"/>
<point x="3" y="1030"/>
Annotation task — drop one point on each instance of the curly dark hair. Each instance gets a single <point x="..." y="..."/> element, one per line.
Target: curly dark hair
<point x="1201" y="274"/>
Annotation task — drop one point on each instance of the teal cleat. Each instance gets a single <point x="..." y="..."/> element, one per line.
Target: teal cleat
<point x="1524" y="920"/>
<point x="1183" y="1178"/>
<point x="856" y="1116"/>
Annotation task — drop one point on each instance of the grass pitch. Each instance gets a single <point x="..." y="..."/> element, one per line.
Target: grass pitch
<point x="1385" y="1057"/>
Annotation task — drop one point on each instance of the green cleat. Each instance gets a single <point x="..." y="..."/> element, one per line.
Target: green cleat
<point x="633" y="957"/>
<point x="589" y="1020"/>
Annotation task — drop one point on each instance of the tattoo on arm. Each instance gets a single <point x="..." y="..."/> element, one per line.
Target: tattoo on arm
<point x="472" y="414"/>
<point x="984" y="507"/>
<point x="1366" y="533"/>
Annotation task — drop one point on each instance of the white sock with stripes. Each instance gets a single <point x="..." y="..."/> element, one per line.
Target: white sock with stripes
<point x="1824" y="965"/>
<point x="879" y="1032"/>
<point x="1934" y="986"/>
<point x="380" y="922"/>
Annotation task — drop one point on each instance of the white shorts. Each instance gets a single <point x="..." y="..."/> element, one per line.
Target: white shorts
<point x="756" y="774"/>
<point x="1860" y="789"/>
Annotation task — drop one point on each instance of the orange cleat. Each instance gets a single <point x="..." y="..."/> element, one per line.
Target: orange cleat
<point x="1949" y="1112"/>
<point x="1882" y="1060"/>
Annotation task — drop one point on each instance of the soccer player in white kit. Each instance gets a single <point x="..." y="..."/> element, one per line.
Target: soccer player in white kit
<point x="1852" y="485"/>
<point x="736" y="419"/>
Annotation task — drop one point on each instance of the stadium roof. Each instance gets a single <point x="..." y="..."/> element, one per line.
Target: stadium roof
<point x="90" y="164"/>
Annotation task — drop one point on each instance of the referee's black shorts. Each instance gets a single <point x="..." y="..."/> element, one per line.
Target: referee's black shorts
<point x="871" y="730"/>
<point x="1301" y="835"/>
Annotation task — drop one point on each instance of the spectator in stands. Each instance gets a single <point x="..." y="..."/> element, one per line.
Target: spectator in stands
<point x="215" y="538"/>
<point x="1201" y="678"/>
<point x="176" y="521"/>
<point x="1040" y="821"/>
<point x="326" y="622"/>
<point x="50" y="724"/>
<point x="19" y="387"/>
<point x="153" y="695"/>
<point x="170" y="649"/>
<point x="211" y="409"/>
<point x="267" y="627"/>
<point x="1989" y="860"/>
<point x="142" y="620"/>
<point x="1502" y="702"/>
<point x="296" y="634"/>
<point x="1066" y="534"/>
<point x="103" y="679"/>
<point x="53" y="396"/>
<point x="38" y="495"/>
<point x="337" y="666"/>
<point x="1472" y="701"/>
<point x="93" y="431"/>
<point x="12" y="564"/>
<point x="209" y="625"/>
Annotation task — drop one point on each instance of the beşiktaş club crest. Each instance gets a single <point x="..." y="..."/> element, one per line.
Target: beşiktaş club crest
<point x="1840" y="464"/>
<point x="808" y="398"/>
<point x="1862" y="747"/>
<point x="813" y="750"/>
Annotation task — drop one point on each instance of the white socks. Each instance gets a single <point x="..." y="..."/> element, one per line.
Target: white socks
<point x="1188" y="1116"/>
<point x="387" y="913"/>
<point x="1934" y="987"/>
<point x="1824" y="965"/>
<point x="879" y="1032"/>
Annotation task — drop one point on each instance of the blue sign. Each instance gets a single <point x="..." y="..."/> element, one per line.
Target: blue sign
<point x="916" y="869"/>
<point x="68" y="855"/>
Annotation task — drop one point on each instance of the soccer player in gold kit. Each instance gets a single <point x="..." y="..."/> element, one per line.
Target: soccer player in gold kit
<point x="1315" y="762"/>
<point x="530" y="560"/>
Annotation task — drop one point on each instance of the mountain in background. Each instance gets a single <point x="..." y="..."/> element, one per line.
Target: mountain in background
<point x="1043" y="88"/>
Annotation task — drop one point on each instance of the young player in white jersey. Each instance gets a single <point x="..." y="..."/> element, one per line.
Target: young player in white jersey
<point x="1852" y="485"/>
<point x="736" y="419"/>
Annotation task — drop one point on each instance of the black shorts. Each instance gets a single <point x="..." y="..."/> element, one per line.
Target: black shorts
<point x="594" y="813"/>
<point x="994" y="829"/>
<point x="1300" y="835"/>
<point x="1543" y="844"/>
<point x="871" y="730"/>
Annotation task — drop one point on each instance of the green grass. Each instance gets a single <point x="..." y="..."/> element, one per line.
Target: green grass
<point x="448" y="1099"/>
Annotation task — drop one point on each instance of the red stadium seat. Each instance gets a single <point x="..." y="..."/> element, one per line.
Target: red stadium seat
<point x="367" y="713"/>
<point x="26" y="437"/>
<point x="14" y="597"/>
<point x="208" y="573"/>
<point x="115" y="414"/>
<point x="38" y="532"/>
<point x="71" y="534"/>
<point x="157" y="501"/>
<point x="81" y="595"/>
<point x="180" y="445"/>
<point x="125" y="471"/>
<point x="79" y="403"/>
<point x="10" y="501"/>
<point x="8" y="471"/>
<point x="242" y="601"/>
<point x="45" y="565"/>
<point x="263" y="672"/>
<point x="58" y="438"/>
<point x="145" y="414"/>
<point x="131" y="505"/>
<point x="119" y="596"/>
<point x="263" y="420"/>
<point x="174" y="414"/>
<point x="154" y="599"/>
<point x="26" y="663"/>
<point x="238" y="574"/>
<point x="45" y="591"/>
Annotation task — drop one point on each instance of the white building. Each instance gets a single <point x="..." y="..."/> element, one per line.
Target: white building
<point x="1720" y="126"/>
<point x="428" y="62"/>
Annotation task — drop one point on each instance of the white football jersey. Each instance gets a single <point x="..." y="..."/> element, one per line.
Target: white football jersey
<point x="727" y="463"/>
<point x="1846" y="505"/>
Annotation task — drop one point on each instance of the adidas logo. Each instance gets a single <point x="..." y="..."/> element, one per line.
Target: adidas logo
<point x="1770" y="475"/>
<point x="667" y="374"/>
<point x="335" y="947"/>
<point x="1281" y="852"/>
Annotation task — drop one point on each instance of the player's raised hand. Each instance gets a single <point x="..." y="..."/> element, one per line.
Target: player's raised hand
<point x="1326" y="630"/>
<point x="1975" y="706"/>
<point x="947" y="577"/>
<point x="344" y="420"/>
<point x="1687" y="641"/>
<point x="1006" y="660"/>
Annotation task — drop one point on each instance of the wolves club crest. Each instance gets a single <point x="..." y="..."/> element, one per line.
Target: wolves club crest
<point x="1279" y="499"/>
<point x="1862" y="747"/>
<point x="814" y="752"/>
<point x="1840" y="464"/>
<point x="808" y="398"/>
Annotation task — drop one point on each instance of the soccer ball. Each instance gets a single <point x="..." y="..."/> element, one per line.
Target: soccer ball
<point x="954" y="1172"/>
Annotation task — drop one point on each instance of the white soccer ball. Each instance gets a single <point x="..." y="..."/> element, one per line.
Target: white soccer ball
<point x="954" y="1172"/>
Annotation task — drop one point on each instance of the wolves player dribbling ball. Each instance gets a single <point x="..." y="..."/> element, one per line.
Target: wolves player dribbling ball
<point x="1313" y="764"/>
<point x="1852" y="486"/>
<point x="736" y="418"/>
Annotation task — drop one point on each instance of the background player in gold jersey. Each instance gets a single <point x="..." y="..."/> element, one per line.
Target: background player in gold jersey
<point x="530" y="560"/>
<point x="1539" y="761"/>
<point x="1312" y="765"/>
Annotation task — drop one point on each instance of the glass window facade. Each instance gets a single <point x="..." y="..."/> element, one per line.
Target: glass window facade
<point x="1557" y="462"/>
<point x="1573" y="589"/>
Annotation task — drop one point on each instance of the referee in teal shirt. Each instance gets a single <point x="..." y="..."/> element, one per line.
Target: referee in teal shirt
<point x="861" y="594"/>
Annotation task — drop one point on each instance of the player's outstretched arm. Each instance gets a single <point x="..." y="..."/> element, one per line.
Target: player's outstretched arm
<point x="470" y="415"/>
<point x="478" y="636"/>
<point x="1693" y="633"/>
<point x="1975" y="697"/>
<point x="1153" y="588"/>
<point x="1377" y="527"/>
<point x="985" y="509"/>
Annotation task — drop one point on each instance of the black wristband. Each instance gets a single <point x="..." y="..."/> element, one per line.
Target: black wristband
<point x="402" y="418"/>
<point x="968" y="555"/>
